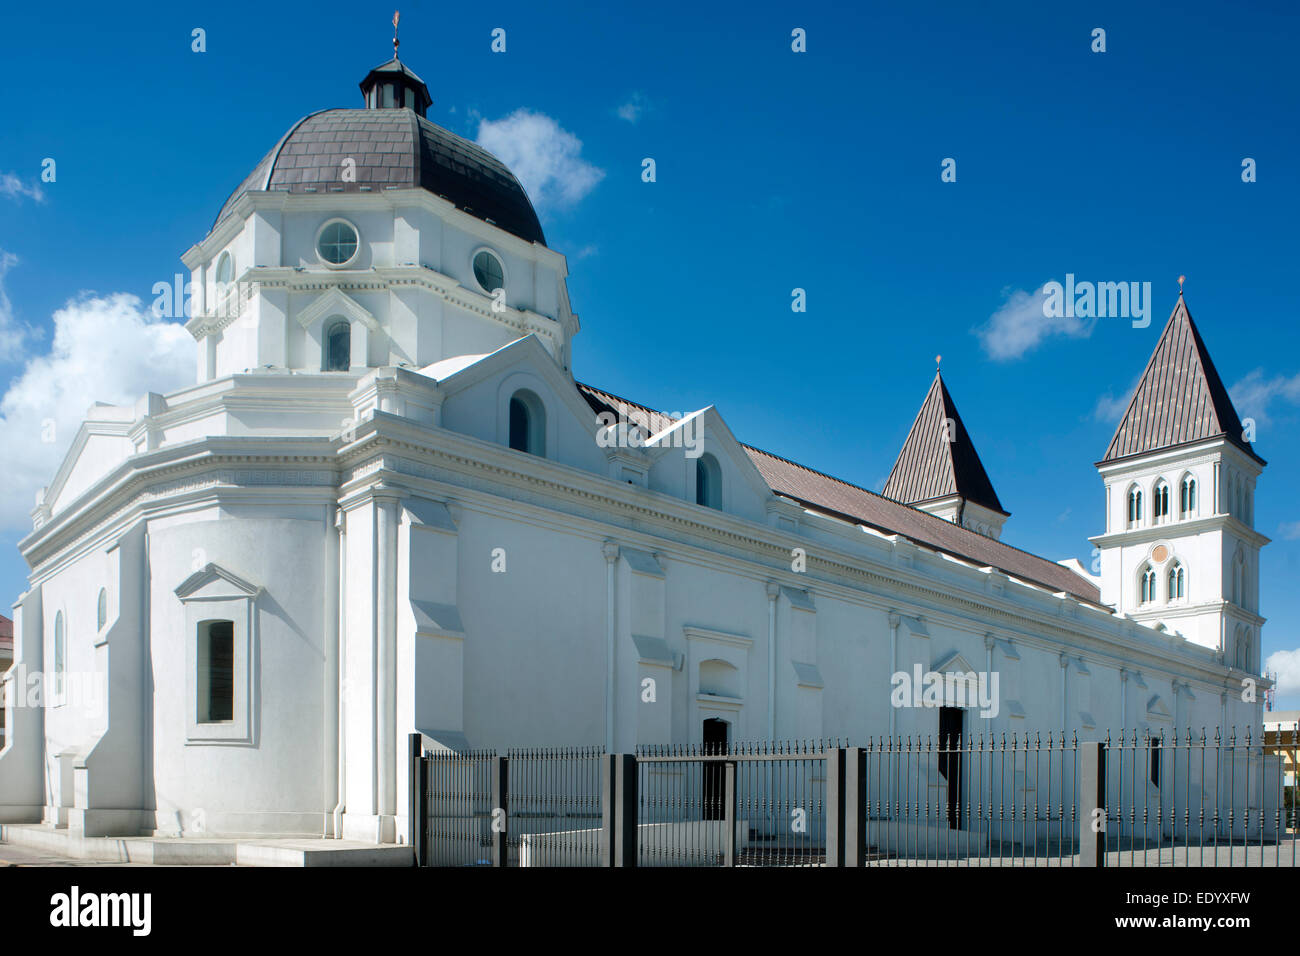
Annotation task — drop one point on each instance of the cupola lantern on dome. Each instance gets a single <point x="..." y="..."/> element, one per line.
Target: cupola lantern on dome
<point x="393" y="85"/>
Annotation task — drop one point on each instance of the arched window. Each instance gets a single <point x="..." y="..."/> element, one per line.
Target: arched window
<point x="1238" y="580"/>
<point x="60" y="655"/>
<point x="224" y="278"/>
<point x="1177" y="582"/>
<point x="708" y="482"/>
<point x="527" y="423"/>
<point x="1187" y="498"/>
<point x="1160" y="502"/>
<point x="1243" y="649"/>
<point x="101" y="610"/>
<point x="337" y="347"/>
<point x="1134" y="506"/>
<point x="1147" y="584"/>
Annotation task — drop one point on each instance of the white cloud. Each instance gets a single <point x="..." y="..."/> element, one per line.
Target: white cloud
<point x="1253" y="394"/>
<point x="1286" y="664"/>
<point x="1290" y="531"/>
<point x="546" y="158"/>
<point x="13" y="334"/>
<point x="14" y="188"/>
<point x="1111" y="406"/>
<point x="631" y="111"/>
<point x="106" y="349"/>
<point x="1022" y="324"/>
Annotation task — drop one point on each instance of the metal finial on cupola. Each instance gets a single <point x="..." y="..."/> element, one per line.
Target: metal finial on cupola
<point x="1181" y="280"/>
<point x="397" y="16"/>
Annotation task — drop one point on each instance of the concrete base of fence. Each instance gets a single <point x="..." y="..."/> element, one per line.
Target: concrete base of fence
<point x="658" y="844"/>
<point x="931" y="841"/>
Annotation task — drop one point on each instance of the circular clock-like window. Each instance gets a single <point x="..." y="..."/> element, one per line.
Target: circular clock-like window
<point x="488" y="271"/>
<point x="337" y="242"/>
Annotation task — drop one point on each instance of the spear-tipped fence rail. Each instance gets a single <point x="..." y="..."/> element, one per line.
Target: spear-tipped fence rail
<point x="1132" y="798"/>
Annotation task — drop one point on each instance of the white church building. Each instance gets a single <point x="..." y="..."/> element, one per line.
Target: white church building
<point x="387" y="506"/>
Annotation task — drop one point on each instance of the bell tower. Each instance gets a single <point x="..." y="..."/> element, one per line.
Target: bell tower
<point x="1180" y="551"/>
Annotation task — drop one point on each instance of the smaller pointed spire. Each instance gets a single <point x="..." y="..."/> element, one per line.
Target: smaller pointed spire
<point x="938" y="459"/>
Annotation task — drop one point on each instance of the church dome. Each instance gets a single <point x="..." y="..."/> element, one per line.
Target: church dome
<point x="396" y="146"/>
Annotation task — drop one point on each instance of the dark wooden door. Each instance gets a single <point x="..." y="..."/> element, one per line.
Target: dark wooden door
<point x="715" y="780"/>
<point x="951" y="744"/>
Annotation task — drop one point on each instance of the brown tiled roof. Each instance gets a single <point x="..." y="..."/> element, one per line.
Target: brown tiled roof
<point x="938" y="459"/>
<point x="393" y="147"/>
<point x="1180" y="398"/>
<point x="821" y="492"/>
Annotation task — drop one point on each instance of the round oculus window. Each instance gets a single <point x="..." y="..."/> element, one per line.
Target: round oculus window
<point x="337" y="243"/>
<point x="488" y="271"/>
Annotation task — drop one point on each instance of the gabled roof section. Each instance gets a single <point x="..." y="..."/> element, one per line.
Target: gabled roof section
<point x="839" y="499"/>
<point x="820" y="492"/>
<point x="1180" y="398"/>
<point x="938" y="459"/>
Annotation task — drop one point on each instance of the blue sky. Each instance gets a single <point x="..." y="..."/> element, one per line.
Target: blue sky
<point x="775" y="170"/>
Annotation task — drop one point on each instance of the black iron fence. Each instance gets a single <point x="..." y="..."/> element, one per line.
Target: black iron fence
<point x="1134" y="799"/>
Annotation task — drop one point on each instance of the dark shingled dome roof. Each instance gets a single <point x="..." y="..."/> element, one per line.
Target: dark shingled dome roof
<point x="393" y="147"/>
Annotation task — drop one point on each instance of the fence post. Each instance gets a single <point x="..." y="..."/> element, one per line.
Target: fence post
<point x="414" y="817"/>
<point x="1092" y="804"/>
<point x="855" y="806"/>
<point x="608" y="794"/>
<point x="624" y="771"/>
<point x="834" y="806"/>
<point x="729" y="815"/>
<point x="418" y="804"/>
<point x="500" y="810"/>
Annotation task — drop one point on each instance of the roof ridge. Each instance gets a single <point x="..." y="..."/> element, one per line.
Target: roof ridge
<point x="901" y="504"/>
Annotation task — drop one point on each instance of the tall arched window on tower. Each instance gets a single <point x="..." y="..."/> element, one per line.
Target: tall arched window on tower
<point x="1147" y="584"/>
<point x="101" y="610"/>
<point x="1243" y="649"/>
<point x="1238" y="579"/>
<point x="1177" y="582"/>
<point x="1160" y="502"/>
<point x="708" y="482"/>
<point x="1134" y="506"/>
<point x="527" y="423"/>
<point x="1187" y="497"/>
<point x="337" y="347"/>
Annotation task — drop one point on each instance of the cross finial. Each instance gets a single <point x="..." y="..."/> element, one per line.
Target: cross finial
<point x="1181" y="279"/>
<point x="397" y="15"/>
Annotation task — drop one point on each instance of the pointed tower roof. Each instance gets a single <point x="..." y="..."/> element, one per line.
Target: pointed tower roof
<point x="938" y="459"/>
<point x="1180" y="398"/>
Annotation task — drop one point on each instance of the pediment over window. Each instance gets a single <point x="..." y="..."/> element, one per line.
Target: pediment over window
<point x="214" y="583"/>
<point x="1157" y="709"/>
<point x="954" y="663"/>
<point x="335" y="302"/>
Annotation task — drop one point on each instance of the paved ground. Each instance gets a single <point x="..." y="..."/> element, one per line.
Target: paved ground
<point x="11" y="855"/>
